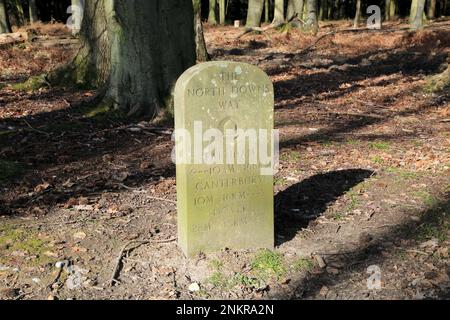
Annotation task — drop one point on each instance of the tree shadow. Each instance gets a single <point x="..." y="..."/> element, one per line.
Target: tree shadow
<point x="373" y="253"/>
<point x="305" y="201"/>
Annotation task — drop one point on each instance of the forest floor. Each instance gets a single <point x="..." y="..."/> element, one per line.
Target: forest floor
<point x="362" y="190"/>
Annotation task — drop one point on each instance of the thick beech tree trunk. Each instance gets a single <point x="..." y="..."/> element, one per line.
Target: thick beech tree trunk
<point x="312" y="23"/>
<point x="295" y="8"/>
<point x="278" y="16"/>
<point x="418" y="10"/>
<point x="135" y="50"/>
<point x="202" y="52"/>
<point x="5" y="27"/>
<point x="254" y="13"/>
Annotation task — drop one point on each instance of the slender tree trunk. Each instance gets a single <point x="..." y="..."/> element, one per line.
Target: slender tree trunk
<point x="266" y="11"/>
<point x="323" y="10"/>
<point x="387" y="10"/>
<point x="212" y="16"/>
<point x="20" y="12"/>
<point x="202" y="52"/>
<point x="278" y="16"/>
<point x="330" y="9"/>
<point x="393" y="8"/>
<point x="337" y="9"/>
<point x="357" y="14"/>
<point x="254" y="13"/>
<point x="5" y="26"/>
<point x="417" y="22"/>
<point x="432" y="9"/>
<point x="32" y="8"/>
<point x="136" y="52"/>
<point x="222" y="11"/>
<point x="312" y="23"/>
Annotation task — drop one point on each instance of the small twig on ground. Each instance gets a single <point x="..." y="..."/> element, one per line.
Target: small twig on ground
<point x="34" y="129"/>
<point x="150" y="197"/>
<point x="125" y="249"/>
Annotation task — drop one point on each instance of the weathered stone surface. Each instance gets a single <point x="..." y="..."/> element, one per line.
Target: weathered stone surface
<point x="223" y="205"/>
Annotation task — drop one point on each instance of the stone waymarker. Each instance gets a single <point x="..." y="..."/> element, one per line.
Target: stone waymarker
<point x="224" y="203"/>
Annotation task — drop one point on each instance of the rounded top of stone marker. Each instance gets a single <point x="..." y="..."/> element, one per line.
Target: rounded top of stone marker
<point x="238" y="67"/>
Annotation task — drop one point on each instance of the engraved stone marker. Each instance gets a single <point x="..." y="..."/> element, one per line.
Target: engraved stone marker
<point x="224" y="195"/>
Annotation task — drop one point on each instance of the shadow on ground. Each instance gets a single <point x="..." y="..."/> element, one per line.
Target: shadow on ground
<point x="375" y="252"/>
<point x="305" y="201"/>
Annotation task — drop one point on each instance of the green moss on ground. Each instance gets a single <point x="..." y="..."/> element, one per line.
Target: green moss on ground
<point x="32" y="84"/>
<point x="13" y="239"/>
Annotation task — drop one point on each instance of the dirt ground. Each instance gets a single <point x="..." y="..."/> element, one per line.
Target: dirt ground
<point x="362" y="193"/>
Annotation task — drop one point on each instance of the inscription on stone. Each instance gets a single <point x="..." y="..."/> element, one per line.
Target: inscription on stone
<point x="226" y="202"/>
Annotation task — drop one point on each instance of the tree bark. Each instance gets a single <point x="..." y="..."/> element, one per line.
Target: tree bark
<point x="222" y="11"/>
<point x="323" y="10"/>
<point x="200" y="44"/>
<point x="20" y="12"/>
<point x="278" y="12"/>
<point x="357" y="14"/>
<point x="417" y="22"/>
<point x="254" y="13"/>
<point x="393" y="8"/>
<point x="5" y="26"/>
<point x="32" y="9"/>
<point x="432" y="9"/>
<point x="337" y="9"/>
<point x="295" y="8"/>
<point x="312" y="23"/>
<point x="413" y="11"/>
<point x="266" y="11"/>
<point x="135" y="51"/>
<point x="212" y="16"/>
<point x="387" y="10"/>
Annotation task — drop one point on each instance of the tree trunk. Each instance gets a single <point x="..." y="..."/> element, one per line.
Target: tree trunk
<point x="330" y="10"/>
<point x="311" y="20"/>
<point x="136" y="52"/>
<point x="393" y="8"/>
<point x="295" y="8"/>
<point x="202" y="52"/>
<point x="212" y="16"/>
<point x="357" y="14"/>
<point x="278" y="12"/>
<point x="254" y="13"/>
<point x="20" y="12"/>
<point x="266" y="11"/>
<point x="413" y="11"/>
<point x="32" y="8"/>
<point x="5" y="26"/>
<point x="222" y="11"/>
<point x="432" y="9"/>
<point x="387" y="10"/>
<point x="337" y="9"/>
<point x="323" y="10"/>
<point x="417" y="22"/>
